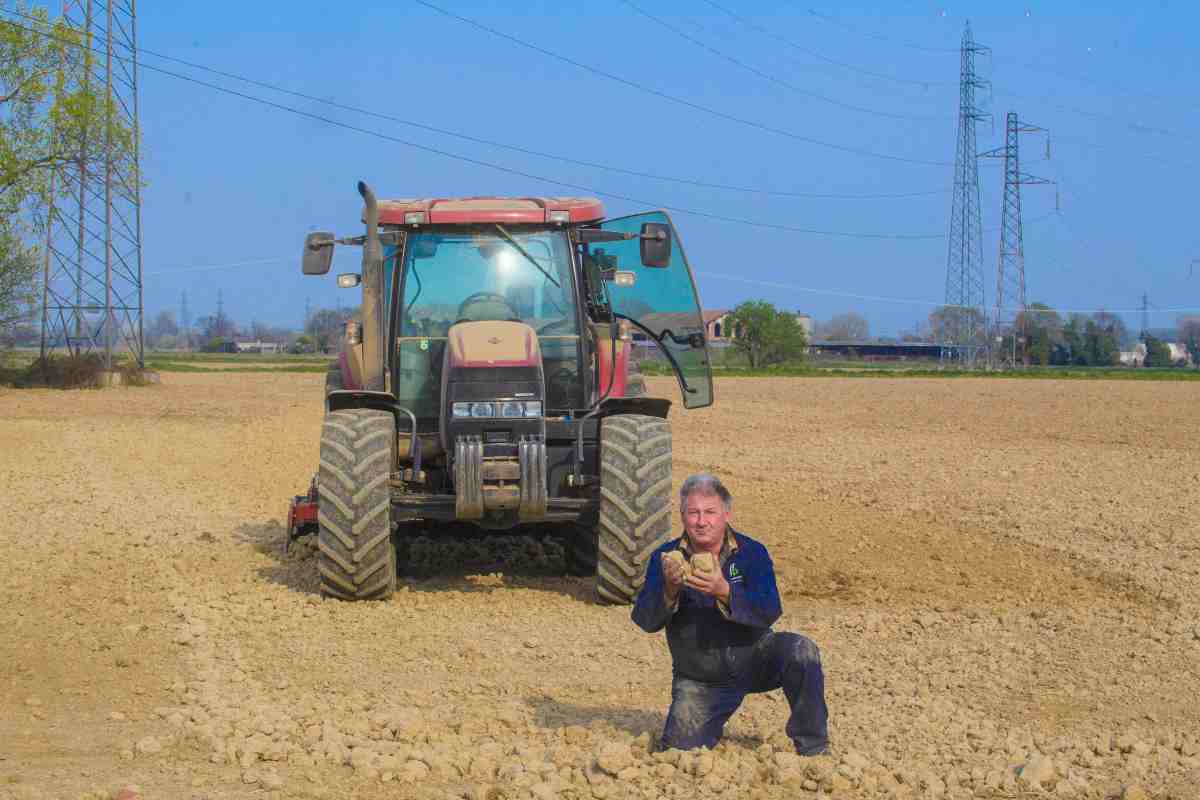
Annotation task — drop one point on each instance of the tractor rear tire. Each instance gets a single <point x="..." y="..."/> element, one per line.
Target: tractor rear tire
<point x="356" y="559"/>
<point x="635" y="501"/>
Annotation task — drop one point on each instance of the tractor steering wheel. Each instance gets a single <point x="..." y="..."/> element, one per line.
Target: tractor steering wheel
<point x="493" y="297"/>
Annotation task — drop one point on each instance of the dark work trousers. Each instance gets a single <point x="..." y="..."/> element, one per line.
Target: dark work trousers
<point x="699" y="710"/>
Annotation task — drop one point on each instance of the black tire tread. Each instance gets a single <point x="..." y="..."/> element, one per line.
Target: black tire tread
<point x="355" y="558"/>
<point x="635" y="501"/>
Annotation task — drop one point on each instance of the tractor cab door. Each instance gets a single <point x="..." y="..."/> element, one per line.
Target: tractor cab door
<point x="663" y="303"/>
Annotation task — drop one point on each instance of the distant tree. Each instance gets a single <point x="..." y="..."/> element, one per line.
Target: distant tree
<point x="1043" y="333"/>
<point x="215" y="326"/>
<point x="304" y="344"/>
<point x="766" y="335"/>
<point x="1113" y="325"/>
<point x="326" y="326"/>
<point x="18" y="280"/>
<point x="955" y="324"/>
<point x="849" y="327"/>
<point x="1102" y="344"/>
<point x="215" y="344"/>
<point x="163" y="325"/>
<point x="1189" y="334"/>
<point x="1157" y="353"/>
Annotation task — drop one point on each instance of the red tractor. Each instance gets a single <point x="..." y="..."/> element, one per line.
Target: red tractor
<point x="489" y="382"/>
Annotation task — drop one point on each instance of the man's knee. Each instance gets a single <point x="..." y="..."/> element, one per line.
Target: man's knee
<point x="798" y="650"/>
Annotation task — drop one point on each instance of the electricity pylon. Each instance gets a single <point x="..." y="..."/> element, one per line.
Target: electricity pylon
<point x="964" y="331"/>
<point x="92" y="297"/>
<point x="1011" y="306"/>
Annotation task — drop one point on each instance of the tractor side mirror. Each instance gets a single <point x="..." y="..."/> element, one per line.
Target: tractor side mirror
<point x="318" y="253"/>
<point x="656" y="244"/>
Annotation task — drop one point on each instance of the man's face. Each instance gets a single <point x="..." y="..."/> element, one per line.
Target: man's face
<point x="705" y="520"/>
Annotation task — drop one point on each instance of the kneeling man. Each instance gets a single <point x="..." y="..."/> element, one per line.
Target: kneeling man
<point x="714" y="591"/>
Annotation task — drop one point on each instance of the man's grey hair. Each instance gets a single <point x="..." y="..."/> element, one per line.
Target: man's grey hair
<point x="705" y="484"/>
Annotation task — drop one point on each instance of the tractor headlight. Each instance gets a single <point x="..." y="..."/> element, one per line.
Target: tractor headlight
<point x="505" y="409"/>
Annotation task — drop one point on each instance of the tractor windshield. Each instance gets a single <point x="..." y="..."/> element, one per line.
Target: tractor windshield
<point x="487" y="273"/>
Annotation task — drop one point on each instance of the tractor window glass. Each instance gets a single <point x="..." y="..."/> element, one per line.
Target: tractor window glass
<point x="474" y="275"/>
<point x="663" y="300"/>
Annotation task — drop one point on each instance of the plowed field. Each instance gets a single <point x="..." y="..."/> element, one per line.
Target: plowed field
<point x="1003" y="578"/>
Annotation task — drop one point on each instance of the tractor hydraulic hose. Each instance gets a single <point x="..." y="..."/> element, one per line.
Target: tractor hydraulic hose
<point x="414" y="441"/>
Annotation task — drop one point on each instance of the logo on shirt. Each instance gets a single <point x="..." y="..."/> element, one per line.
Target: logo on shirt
<point x="734" y="574"/>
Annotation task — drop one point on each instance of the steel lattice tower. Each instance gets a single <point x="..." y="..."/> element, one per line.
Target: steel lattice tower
<point x="92" y="283"/>
<point x="965" y="331"/>
<point x="1011" y="305"/>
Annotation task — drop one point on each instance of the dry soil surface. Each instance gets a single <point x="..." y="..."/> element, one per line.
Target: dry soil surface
<point x="1001" y="575"/>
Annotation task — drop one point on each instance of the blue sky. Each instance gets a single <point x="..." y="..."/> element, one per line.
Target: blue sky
<point x="230" y="181"/>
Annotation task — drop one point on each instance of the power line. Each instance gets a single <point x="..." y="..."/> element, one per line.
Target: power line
<point x="678" y="100"/>
<point x="820" y="57"/>
<point x="881" y="37"/>
<point x="216" y="266"/>
<point x="1103" y="84"/>
<point x="520" y="173"/>
<point x="703" y="184"/>
<point x="915" y="302"/>
<point x="769" y="77"/>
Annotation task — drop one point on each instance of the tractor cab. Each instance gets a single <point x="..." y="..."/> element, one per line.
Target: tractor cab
<point x="496" y="335"/>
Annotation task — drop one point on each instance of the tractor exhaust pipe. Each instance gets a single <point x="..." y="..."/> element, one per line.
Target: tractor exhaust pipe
<point x="372" y="295"/>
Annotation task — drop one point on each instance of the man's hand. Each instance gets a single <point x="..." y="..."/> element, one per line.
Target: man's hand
<point x="673" y="573"/>
<point x="712" y="584"/>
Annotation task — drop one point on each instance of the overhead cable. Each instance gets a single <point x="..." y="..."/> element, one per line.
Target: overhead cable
<point x="913" y="302"/>
<point x="679" y="100"/>
<point x="703" y="184"/>
<point x="881" y="37"/>
<point x="820" y="57"/>
<point x="1103" y="84"/>
<point x="773" y="78"/>
<point x="521" y="173"/>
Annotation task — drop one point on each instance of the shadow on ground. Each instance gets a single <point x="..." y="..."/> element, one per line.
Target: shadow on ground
<point x="551" y="713"/>
<point x="456" y="559"/>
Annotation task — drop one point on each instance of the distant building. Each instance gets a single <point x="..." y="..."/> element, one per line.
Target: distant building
<point x="718" y="328"/>
<point x="256" y="346"/>
<point x="1134" y="357"/>
<point x="716" y="325"/>
<point x="1137" y="356"/>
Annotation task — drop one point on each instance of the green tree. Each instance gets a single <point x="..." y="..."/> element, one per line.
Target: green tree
<point x="765" y="334"/>
<point x="1157" y="353"/>
<point x="1189" y="334"/>
<point x="326" y="327"/>
<point x="18" y="281"/>
<point x="958" y="325"/>
<point x="47" y="120"/>
<point x="1043" y="333"/>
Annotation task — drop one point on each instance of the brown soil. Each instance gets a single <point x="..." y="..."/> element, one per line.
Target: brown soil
<point x="1002" y="577"/>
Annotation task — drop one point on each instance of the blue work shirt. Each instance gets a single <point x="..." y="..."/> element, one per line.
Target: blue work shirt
<point x="708" y="642"/>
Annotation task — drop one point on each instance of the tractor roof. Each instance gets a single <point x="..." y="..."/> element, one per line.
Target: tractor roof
<point x="472" y="210"/>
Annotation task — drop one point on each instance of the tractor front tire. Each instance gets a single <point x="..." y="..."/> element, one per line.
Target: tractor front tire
<point x="333" y="379"/>
<point x="635" y="501"/>
<point x="356" y="559"/>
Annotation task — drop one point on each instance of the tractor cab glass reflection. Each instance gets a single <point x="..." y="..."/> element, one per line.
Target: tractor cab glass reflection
<point x="475" y="275"/>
